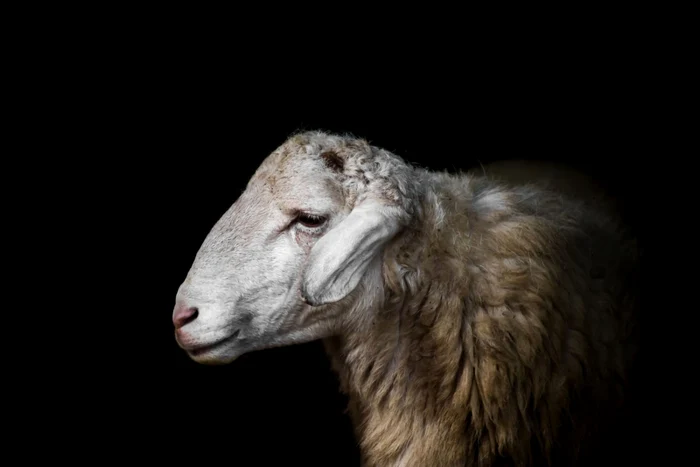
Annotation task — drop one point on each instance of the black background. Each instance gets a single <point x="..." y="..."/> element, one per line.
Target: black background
<point x="172" y="144"/>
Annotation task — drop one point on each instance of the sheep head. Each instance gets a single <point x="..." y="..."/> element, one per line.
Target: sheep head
<point x="293" y="253"/>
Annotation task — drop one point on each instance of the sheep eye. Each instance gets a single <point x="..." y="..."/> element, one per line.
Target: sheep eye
<point x="310" y="220"/>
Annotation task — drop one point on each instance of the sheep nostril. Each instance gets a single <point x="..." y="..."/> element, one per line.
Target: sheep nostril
<point x="184" y="315"/>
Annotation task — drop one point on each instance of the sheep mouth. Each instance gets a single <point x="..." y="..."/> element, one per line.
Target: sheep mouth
<point x="197" y="351"/>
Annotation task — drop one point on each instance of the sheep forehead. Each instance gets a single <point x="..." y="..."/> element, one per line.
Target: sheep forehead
<point x="308" y="146"/>
<point x="296" y="169"/>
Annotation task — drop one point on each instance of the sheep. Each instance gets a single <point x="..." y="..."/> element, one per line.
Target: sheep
<point x="472" y="319"/>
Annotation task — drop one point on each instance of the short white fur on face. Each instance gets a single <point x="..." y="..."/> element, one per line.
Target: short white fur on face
<point x="299" y="240"/>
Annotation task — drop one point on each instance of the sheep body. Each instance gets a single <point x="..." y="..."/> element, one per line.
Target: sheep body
<point x="504" y="316"/>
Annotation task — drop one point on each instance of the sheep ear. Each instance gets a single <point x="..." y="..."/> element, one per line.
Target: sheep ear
<point x="340" y="258"/>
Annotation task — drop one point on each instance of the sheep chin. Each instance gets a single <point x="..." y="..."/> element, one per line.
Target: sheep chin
<point x="222" y="353"/>
<point x="213" y="359"/>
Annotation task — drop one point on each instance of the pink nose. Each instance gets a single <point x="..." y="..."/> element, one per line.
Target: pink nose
<point x="183" y="315"/>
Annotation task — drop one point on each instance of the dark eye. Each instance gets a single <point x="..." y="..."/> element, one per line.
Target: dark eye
<point x="310" y="220"/>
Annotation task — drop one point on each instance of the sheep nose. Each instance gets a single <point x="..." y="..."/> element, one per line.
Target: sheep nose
<point x="183" y="315"/>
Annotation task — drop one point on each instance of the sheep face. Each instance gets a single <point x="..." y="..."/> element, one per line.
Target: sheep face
<point x="282" y="263"/>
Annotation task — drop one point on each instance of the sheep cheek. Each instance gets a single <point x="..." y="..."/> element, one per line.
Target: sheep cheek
<point x="304" y="240"/>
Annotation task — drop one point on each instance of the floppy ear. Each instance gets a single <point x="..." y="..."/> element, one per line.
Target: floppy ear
<point x="340" y="258"/>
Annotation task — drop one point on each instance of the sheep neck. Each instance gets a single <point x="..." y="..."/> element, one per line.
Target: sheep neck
<point x="401" y="359"/>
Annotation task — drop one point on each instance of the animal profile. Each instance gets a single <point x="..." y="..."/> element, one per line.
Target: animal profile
<point x="473" y="319"/>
